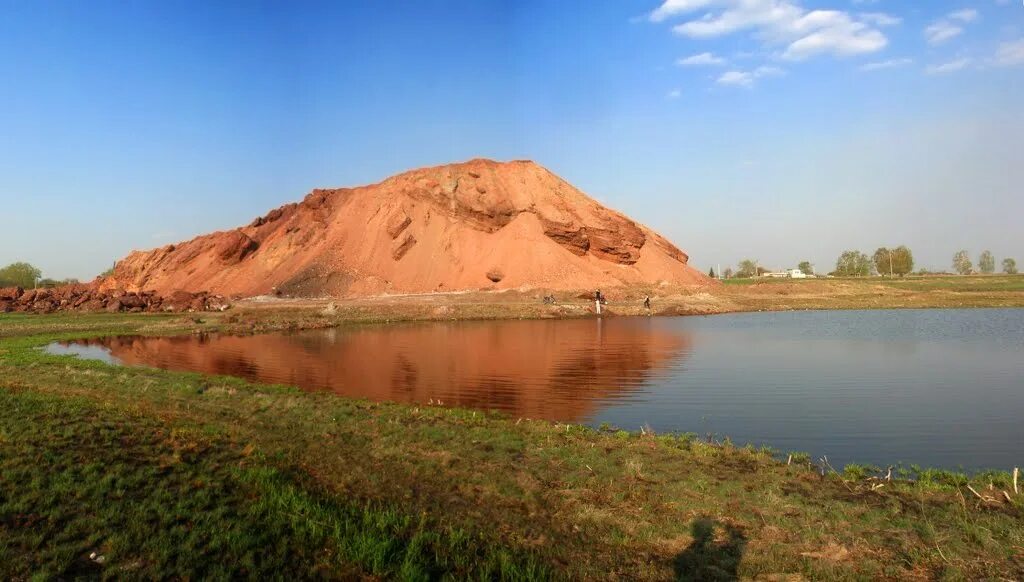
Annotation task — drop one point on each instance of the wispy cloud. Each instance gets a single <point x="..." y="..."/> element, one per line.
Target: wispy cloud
<point x="889" y="64"/>
<point x="783" y="25"/>
<point x="950" y="67"/>
<point x="747" y="78"/>
<point x="672" y="7"/>
<point x="1010" y="53"/>
<point x="737" y="78"/>
<point x="949" y="27"/>
<point x="674" y="94"/>
<point x="965" y="15"/>
<point x="880" y="18"/>
<point x="941" y="31"/>
<point x="702" y="59"/>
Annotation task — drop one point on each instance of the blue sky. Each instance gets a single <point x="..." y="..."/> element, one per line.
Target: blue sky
<point x="779" y="130"/>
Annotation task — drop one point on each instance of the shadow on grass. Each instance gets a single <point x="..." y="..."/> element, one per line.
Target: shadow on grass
<point x="711" y="556"/>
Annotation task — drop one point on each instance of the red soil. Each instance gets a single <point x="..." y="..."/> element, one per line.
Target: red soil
<point x="469" y="226"/>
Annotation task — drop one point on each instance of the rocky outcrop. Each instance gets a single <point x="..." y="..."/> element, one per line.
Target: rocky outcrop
<point x="403" y="247"/>
<point x="398" y="223"/>
<point x="90" y="298"/>
<point x="444" y="228"/>
<point x="234" y="247"/>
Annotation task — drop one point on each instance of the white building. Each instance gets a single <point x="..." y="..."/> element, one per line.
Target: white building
<point x="787" y="274"/>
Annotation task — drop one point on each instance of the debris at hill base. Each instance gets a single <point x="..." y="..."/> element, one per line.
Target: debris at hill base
<point x="89" y="298"/>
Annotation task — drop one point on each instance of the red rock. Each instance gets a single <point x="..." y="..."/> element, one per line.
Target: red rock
<point x="234" y="247"/>
<point x="92" y="305"/>
<point x="81" y="300"/>
<point x="397" y="223"/>
<point x="132" y="301"/>
<point x="403" y="247"/>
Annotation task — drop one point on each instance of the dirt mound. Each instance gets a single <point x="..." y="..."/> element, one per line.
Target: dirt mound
<point x="89" y="298"/>
<point x="475" y="225"/>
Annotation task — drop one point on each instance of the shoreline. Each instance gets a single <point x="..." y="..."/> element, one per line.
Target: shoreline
<point x="187" y="326"/>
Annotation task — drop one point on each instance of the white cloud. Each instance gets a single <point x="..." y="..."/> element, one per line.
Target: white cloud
<point x="674" y="94"/>
<point x="703" y="59"/>
<point x="843" y="38"/>
<point x="738" y="78"/>
<point x="803" y="33"/>
<point x="768" y="71"/>
<point x="747" y="78"/>
<point x="941" y="31"/>
<point x="880" y="18"/>
<point x="965" y="15"/>
<point x="671" y="8"/>
<point x="950" y="67"/>
<point x="1010" y="53"/>
<point x="890" y="64"/>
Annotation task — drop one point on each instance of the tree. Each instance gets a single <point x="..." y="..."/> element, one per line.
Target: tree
<point x="806" y="267"/>
<point x="51" y="283"/>
<point x="898" y="261"/>
<point x="883" y="261"/>
<point x="902" y="261"/>
<point x="962" y="263"/>
<point x="1009" y="266"/>
<point x="19" y="275"/>
<point x="853" y="264"/>
<point x="747" y="268"/>
<point x="986" y="262"/>
<point x="728" y="273"/>
<point x="711" y="273"/>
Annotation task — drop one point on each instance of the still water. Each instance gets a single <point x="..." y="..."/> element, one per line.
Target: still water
<point x="934" y="387"/>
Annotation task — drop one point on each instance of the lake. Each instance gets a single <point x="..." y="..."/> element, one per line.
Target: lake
<point x="938" y="388"/>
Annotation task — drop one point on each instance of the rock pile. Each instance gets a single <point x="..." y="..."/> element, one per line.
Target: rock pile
<point x="89" y="298"/>
<point x="477" y="225"/>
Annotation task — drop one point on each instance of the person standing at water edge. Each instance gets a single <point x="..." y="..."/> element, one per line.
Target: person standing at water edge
<point x="647" y="302"/>
<point x="598" y="299"/>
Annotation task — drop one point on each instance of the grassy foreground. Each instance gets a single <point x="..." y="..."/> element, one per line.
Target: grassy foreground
<point x="138" y="473"/>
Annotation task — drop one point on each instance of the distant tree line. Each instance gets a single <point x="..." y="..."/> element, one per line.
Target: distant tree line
<point x="986" y="263"/>
<point x="27" y="276"/>
<point x="886" y="262"/>
<point x="19" y="275"/>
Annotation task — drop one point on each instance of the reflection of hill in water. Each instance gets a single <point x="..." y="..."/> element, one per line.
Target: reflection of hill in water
<point x="537" y="369"/>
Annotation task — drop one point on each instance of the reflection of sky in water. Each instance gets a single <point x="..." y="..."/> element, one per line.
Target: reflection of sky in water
<point x="935" y="387"/>
<point x="930" y="387"/>
<point x="88" y="352"/>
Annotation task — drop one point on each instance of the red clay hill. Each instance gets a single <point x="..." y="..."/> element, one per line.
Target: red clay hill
<point x="474" y="225"/>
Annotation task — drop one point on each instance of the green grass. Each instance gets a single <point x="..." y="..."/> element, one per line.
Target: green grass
<point x="967" y="284"/>
<point x="154" y="500"/>
<point x="171" y="474"/>
<point x="954" y="283"/>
